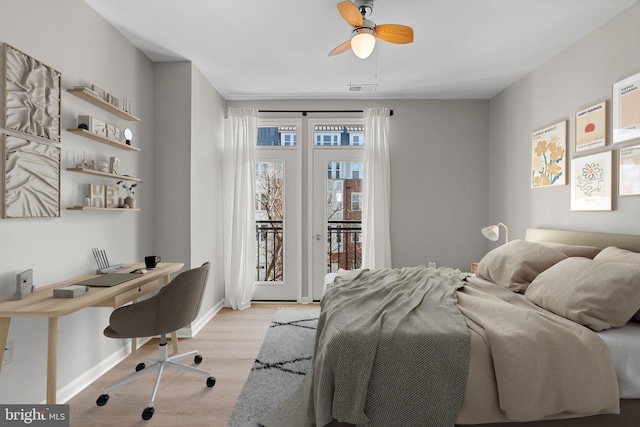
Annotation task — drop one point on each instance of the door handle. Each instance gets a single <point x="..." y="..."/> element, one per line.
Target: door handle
<point x="318" y="237"/>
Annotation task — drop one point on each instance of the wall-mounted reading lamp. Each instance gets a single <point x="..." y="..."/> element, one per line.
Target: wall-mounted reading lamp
<point x="492" y="232"/>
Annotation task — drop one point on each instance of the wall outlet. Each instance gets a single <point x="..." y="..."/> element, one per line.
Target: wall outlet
<point x="8" y="353"/>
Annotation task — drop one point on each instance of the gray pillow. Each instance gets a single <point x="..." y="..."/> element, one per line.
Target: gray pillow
<point x="597" y="294"/>
<point x="615" y="254"/>
<point x="573" y="250"/>
<point x="514" y="265"/>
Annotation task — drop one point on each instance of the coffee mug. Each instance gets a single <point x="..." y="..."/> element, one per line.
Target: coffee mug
<point x="151" y="261"/>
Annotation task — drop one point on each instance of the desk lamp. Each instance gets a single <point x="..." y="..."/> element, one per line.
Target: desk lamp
<point x="492" y="232"/>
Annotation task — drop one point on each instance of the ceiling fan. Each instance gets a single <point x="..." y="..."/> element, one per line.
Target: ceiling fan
<point x="365" y="32"/>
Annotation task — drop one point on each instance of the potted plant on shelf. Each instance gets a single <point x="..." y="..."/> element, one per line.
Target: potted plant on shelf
<point x="129" y="201"/>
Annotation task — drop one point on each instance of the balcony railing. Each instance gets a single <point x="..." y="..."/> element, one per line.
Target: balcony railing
<point x="344" y="245"/>
<point x="344" y="248"/>
<point x="269" y="251"/>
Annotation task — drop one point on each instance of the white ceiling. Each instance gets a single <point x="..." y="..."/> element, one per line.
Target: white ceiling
<point x="278" y="49"/>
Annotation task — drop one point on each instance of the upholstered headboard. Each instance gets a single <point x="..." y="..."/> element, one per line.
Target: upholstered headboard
<point x="585" y="238"/>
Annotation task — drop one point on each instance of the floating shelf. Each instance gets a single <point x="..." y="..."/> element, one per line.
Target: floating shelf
<point x="95" y="100"/>
<point x="107" y="174"/>
<point x="103" y="139"/>
<point x="89" y="208"/>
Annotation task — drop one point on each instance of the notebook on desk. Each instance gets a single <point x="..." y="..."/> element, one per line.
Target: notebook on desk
<point x="109" y="279"/>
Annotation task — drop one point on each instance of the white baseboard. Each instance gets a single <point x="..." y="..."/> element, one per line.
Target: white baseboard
<point x="83" y="381"/>
<point x="197" y="325"/>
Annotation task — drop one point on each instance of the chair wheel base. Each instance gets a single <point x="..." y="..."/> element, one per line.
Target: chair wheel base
<point x="198" y="359"/>
<point x="147" y="413"/>
<point x="140" y="367"/>
<point x="102" y="400"/>
<point x="211" y="381"/>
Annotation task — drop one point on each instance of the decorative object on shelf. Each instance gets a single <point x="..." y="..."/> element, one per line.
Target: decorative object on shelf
<point x="629" y="171"/>
<point x="126" y="105"/>
<point x="129" y="201"/>
<point x="114" y="165"/>
<point x="92" y="98"/>
<point x="548" y="161"/>
<point x="24" y="284"/>
<point x="88" y="89"/>
<point x="87" y="201"/>
<point x="92" y="125"/>
<point x="32" y="95"/>
<point x="100" y="93"/>
<point x="113" y="132"/>
<point x="591" y="182"/>
<point x="96" y="194"/>
<point x="101" y="166"/>
<point x="591" y="127"/>
<point x="31" y="178"/>
<point x="127" y="136"/>
<point x="113" y="100"/>
<point x="84" y="163"/>
<point x="625" y="105"/>
<point x="111" y="196"/>
<point x="492" y="232"/>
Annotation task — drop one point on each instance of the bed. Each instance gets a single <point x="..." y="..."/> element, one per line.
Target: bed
<point x="546" y="334"/>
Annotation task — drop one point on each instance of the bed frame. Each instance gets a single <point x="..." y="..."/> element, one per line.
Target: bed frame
<point x="585" y="238"/>
<point x="629" y="408"/>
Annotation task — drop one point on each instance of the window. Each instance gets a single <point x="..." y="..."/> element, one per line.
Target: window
<point x="276" y="136"/>
<point x="356" y="202"/>
<point x="339" y="135"/>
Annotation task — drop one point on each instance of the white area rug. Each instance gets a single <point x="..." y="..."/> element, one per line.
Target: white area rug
<point x="280" y="366"/>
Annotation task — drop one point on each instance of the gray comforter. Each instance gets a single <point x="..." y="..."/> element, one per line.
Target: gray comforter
<point x="409" y="341"/>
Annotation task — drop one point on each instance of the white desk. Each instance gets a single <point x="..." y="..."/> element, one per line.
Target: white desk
<point x="41" y="303"/>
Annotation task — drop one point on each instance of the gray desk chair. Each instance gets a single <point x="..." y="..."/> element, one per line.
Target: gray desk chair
<point x="175" y="306"/>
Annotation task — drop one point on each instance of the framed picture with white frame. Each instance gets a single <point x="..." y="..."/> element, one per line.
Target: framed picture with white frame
<point x="625" y="107"/>
<point x="591" y="182"/>
<point x="629" y="171"/>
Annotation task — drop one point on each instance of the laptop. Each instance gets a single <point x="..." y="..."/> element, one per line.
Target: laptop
<point x="108" y="280"/>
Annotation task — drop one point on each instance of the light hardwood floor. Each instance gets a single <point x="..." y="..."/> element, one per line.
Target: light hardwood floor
<point x="228" y="344"/>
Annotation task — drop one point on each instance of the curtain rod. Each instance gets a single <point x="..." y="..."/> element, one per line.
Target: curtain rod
<point x="304" y="112"/>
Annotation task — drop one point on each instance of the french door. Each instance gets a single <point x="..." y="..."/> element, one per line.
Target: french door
<point x="336" y="215"/>
<point x="306" y="235"/>
<point x="278" y="213"/>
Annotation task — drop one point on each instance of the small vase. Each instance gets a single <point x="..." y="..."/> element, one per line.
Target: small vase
<point x="130" y="201"/>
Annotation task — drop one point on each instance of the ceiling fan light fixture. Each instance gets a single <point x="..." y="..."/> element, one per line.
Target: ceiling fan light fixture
<point x="363" y="42"/>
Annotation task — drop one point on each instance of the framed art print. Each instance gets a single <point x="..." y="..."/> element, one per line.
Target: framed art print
<point x="31" y="179"/>
<point x="591" y="127"/>
<point x="625" y="107"/>
<point x="629" y="171"/>
<point x="31" y="95"/>
<point x="591" y="182"/>
<point x="548" y="161"/>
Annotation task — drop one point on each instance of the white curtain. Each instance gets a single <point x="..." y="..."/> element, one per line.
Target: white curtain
<point x="240" y="137"/>
<point x="376" y="191"/>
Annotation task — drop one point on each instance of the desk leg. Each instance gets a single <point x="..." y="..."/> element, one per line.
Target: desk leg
<point x="52" y="361"/>
<point x="4" y="334"/>
<point x="174" y="335"/>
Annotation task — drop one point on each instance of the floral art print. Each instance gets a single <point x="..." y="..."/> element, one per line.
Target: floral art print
<point x="548" y="148"/>
<point x="591" y="178"/>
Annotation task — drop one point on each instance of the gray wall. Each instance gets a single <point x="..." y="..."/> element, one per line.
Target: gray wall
<point x="577" y="78"/>
<point x="180" y="137"/>
<point x="70" y="37"/>
<point x="439" y="179"/>
<point x="188" y="127"/>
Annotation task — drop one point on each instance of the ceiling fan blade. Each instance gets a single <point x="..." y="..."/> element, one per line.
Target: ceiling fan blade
<point x="394" y="33"/>
<point x="341" y="49"/>
<point x="350" y="13"/>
